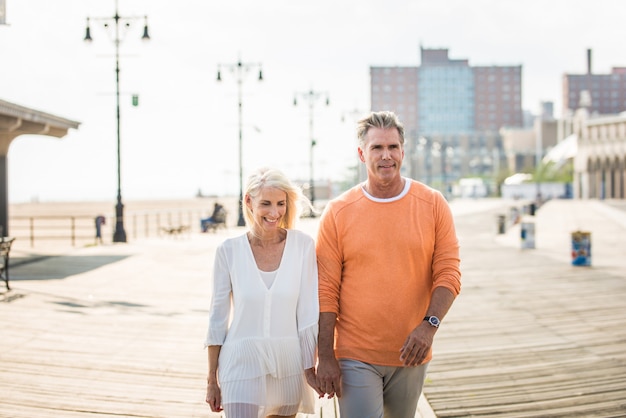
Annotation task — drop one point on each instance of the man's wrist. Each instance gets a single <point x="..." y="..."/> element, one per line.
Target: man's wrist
<point x="432" y="320"/>
<point x="329" y="356"/>
<point x="326" y="354"/>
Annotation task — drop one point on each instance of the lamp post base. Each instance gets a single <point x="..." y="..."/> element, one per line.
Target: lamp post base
<point x="241" y="221"/>
<point x="119" y="235"/>
<point x="312" y="210"/>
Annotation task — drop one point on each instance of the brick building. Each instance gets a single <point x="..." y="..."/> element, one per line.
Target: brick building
<point x="452" y="114"/>
<point x="607" y="92"/>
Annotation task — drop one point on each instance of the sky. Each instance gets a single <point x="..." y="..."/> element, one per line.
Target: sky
<point x="184" y="135"/>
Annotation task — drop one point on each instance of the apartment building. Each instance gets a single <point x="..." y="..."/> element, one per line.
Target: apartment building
<point x="606" y="93"/>
<point x="452" y="113"/>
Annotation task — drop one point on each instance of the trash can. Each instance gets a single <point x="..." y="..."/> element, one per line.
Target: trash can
<point x="501" y="224"/>
<point x="581" y="248"/>
<point x="514" y="213"/>
<point x="527" y="234"/>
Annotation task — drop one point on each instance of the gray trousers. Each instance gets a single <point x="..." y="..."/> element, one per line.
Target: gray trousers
<point x="371" y="391"/>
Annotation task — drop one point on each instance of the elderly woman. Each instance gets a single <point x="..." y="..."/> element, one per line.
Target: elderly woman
<point x="264" y="308"/>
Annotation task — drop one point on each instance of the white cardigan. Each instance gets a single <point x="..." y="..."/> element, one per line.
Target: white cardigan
<point x="264" y="331"/>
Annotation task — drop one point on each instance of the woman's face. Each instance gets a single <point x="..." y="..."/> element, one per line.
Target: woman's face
<point x="268" y="208"/>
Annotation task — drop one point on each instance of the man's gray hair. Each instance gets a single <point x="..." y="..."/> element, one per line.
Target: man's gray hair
<point x="384" y="119"/>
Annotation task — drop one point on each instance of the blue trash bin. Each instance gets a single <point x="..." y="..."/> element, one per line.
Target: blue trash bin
<point x="581" y="248"/>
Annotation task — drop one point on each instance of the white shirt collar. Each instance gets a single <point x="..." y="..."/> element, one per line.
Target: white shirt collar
<point x="407" y="186"/>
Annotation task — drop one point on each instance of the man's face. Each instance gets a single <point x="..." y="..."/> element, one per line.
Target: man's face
<point x="382" y="154"/>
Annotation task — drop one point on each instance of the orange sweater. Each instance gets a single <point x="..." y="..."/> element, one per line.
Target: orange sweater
<point x="378" y="263"/>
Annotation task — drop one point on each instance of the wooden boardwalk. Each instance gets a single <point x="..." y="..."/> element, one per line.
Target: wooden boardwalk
<point x="111" y="331"/>
<point x="117" y="330"/>
<point x="531" y="335"/>
<point x="119" y="333"/>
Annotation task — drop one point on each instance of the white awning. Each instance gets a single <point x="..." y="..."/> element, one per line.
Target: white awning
<point x="518" y="178"/>
<point x="562" y="151"/>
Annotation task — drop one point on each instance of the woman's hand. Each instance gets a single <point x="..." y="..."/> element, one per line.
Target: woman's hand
<point x="214" y="396"/>
<point x="311" y="379"/>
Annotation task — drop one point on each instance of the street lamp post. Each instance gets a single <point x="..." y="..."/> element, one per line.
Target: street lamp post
<point x="240" y="69"/>
<point x="311" y="96"/>
<point x="120" y="234"/>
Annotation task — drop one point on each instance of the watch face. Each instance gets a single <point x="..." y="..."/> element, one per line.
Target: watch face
<point x="434" y="321"/>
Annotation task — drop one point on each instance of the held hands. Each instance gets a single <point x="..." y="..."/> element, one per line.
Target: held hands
<point x="214" y="396"/>
<point x="328" y="379"/>
<point x="311" y="379"/>
<point x="417" y="345"/>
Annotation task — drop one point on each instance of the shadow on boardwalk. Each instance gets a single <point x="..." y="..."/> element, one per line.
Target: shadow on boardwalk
<point x="59" y="267"/>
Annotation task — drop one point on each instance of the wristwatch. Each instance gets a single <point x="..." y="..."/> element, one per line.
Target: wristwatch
<point x="433" y="321"/>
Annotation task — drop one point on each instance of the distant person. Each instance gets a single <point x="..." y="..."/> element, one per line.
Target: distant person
<point x="263" y="315"/>
<point x="388" y="260"/>
<point x="217" y="208"/>
<point x="217" y="216"/>
<point x="100" y="220"/>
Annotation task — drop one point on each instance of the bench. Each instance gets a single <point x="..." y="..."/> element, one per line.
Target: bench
<point x="218" y="221"/>
<point x="5" y="249"/>
<point x="175" y="230"/>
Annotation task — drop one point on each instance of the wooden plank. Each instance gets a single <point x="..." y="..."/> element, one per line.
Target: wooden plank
<point x="530" y="336"/>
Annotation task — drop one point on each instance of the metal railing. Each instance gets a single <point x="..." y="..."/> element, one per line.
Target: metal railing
<point x="81" y="229"/>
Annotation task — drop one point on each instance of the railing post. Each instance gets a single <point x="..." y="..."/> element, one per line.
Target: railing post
<point x="73" y="231"/>
<point x="32" y="232"/>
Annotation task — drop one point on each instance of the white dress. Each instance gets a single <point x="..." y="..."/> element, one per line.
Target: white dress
<point x="268" y="335"/>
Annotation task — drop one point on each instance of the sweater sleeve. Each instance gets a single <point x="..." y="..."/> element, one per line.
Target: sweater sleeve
<point x="446" y="259"/>
<point x="220" y="306"/>
<point x="329" y="262"/>
<point x="308" y="306"/>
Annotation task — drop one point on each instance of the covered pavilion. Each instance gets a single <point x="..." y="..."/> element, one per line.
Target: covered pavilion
<point x="16" y="120"/>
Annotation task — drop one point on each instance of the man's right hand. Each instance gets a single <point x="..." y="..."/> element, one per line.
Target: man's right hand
<point x="329" y="376"/>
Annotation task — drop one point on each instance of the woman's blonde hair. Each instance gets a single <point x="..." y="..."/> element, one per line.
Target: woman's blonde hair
<point x="271" y="177"/>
